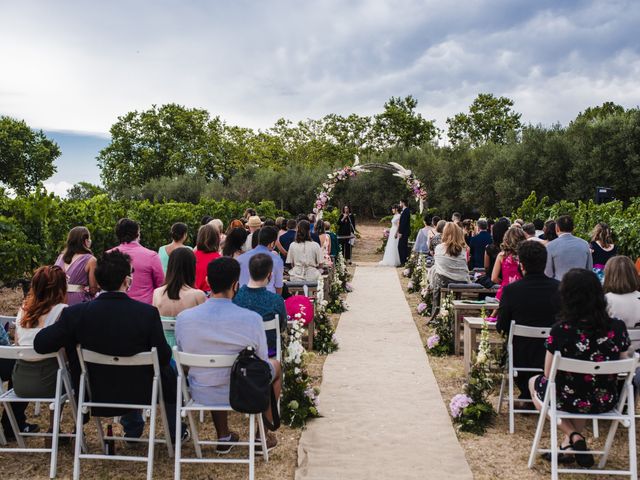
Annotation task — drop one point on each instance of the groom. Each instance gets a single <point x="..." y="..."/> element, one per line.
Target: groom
<point x="403" y="232"/>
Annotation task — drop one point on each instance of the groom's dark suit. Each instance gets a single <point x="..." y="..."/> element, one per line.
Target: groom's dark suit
<point x="404" y="229"/>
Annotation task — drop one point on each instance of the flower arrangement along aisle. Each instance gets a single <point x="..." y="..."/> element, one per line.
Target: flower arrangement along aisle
<point x="471" y="410"/>
<point x="383" y="241"/>
<point x="417" y="274"/>
<point x="339" y="285"/>
<point x="324" y="340"/>
<point x="425" y="306"/>
<point x="410" y="265"/>
<point x="441" y="342"/>
<point x="299" y="399"/>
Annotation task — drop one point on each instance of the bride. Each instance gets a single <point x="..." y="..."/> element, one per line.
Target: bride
<point x="391" y="256"/>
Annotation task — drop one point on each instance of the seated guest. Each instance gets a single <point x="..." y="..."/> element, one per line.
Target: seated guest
<point x="467" y="227"/>
<point x="424" y="235"/>
<point x="539" y="226"/>
<point x="621" y="290"/>
<point x="449" y="261"/>
<point x="42" y="307"/>
<point x="207" y="246"/>
<point x="437" y="237"/>
<point x="335" y="245"/>
<point x="216" y="222"/>
<point x="549" y="231"/>
<point x="281" y="225"/>
<point x="115" y="324"/>
<point x="253" y="224"/>
<point x="145" y="262"/>
<point x="305" y="256"/>
<point x="266" y="238"/>
<point x="218" y="327"/>
<point x="235" y="223"/>
<point x="533" y="301"/>
<point x="206" y="219"/>
<point x="505" y="270"/>
<point x="585" y="332"/>
<point x="79" y="265"/>
<point x="177" y="293"/>
<point x="256" y="297"/>
<point x="286" y="239"/>
<point x="478" y="243"/>
<point x="567" y="251"/>
<point x="233" y="243"/>
<point x="179" y="235"/>
<point x="248" y="213"/>
<point x="529" y="230"/>
<point x="325" y="242"/>
<point x="602" y="246"/>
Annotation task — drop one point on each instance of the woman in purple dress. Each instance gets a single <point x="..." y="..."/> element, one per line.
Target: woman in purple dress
<point x="79" y="264"/>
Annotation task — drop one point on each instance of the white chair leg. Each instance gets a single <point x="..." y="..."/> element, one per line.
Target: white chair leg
<point x="263" y="439"/>
<point x="201" y="416"/>
<point x="36" y="409"/>
<point x="3" y="439"/>
<point x="596" y="432"/>
<point x="56" y="428"/>
<point x="178" y="441"/>
<point x="152" y="428"/>
<point x="539" y="430"/>
<point x="511" y="406"/>
<point x="501" y="396"/>
<point x="553" y="425"/>
<point x="14" y="425"/>
<point x="633" y="459"/>
<point x="79" y="430"/>
<point x="252" y="446"/>
<point x="195" y="437"/>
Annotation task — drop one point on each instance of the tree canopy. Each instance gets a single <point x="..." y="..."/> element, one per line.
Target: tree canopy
<point x="26" y="155"/>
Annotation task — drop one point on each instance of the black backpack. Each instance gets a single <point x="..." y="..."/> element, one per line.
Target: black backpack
<point x="250" y="390"/>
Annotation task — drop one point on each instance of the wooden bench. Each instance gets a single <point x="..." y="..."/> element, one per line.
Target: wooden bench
<point x="460" y="306"/>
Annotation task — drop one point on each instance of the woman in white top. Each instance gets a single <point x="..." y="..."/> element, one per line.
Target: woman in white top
<point x="621" y="290"/>
<point x="178" y="292"/>
<point x="42" y="307"/>
<point x="449" y="261"/>
<point x="304" y="255"/>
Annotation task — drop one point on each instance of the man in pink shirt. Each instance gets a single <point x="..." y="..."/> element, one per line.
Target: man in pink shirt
<point x="146" y="266"/>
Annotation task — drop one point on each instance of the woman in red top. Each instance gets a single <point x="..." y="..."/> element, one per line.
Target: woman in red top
<point x="207" y="246"/>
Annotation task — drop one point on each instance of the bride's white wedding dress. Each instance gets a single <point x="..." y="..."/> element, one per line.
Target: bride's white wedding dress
<point x="391" y="256"/>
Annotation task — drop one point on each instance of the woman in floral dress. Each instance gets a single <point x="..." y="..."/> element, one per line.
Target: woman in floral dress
<point x="585" y="332"/>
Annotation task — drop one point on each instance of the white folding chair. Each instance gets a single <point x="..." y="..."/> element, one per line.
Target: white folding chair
<point x="617" y="416"/>
<point x="274" y="325"/>
<point x="169" y="327"/>
<point x="512" y="372"/>
<point x="185" y="406"/>
<point x="634" y="336"/>
<point x="149" y="359"/>
<point x="56" y="403"/>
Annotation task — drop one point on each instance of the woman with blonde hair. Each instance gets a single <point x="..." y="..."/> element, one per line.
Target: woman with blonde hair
<point x="602" y="246"/>
<point x="621" y="284"/>
<point x="449" y="260"/>
<point x="506" y="269"/>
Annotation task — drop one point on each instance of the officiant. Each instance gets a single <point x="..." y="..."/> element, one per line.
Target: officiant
<point x="346" y="232"/>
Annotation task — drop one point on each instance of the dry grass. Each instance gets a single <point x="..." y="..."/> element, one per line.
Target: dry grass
<point x="497" y="454"/>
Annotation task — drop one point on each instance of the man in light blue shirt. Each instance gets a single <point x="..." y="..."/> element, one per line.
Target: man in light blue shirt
<point x="567" y="251"/>
<point x="218" y="327"/>
<point x="267" y="237"/>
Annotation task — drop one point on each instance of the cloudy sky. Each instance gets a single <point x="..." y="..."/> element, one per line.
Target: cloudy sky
<point x="71" y="68"/>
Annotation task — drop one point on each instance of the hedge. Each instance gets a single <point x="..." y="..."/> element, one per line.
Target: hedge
<point x="33" y="228"/>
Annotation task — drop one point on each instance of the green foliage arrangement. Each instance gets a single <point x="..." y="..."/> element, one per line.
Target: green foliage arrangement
<point x="33" y="228"/>
<point x="472" y="411"/>
<point x="324" y="340"/>
<point x="441" y="342"/>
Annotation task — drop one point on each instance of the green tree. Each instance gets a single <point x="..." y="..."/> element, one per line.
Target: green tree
<point x="600" y="112"/>
<point x="400" y="125"/>
<point x="490" y="119"/>
<point x="26" y="156"/>
<point x="84" y="191"/>
<point x="162" y="142"/>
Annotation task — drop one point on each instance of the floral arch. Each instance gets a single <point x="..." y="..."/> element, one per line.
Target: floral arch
<point x="413" y="184"/>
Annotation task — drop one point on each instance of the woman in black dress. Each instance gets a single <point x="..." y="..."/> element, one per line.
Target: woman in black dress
<point x="346" y="232"/>
<point x="585" y="332"/>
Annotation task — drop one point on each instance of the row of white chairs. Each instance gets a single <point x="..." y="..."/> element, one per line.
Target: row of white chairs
<point x="625" y="369"/>
<point x="185" y="407"/>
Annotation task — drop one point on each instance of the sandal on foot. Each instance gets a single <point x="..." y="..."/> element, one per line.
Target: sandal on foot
<point x="586" y="459"/>
<point x="563" y="458"/>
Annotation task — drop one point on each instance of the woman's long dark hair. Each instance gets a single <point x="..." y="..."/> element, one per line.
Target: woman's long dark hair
<point x="181" y="271"/>
<point x="75" y="243"/>
<point x="582" y="300"/>
<point x="303" y="233"/>
<point x="234" y="241"/>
